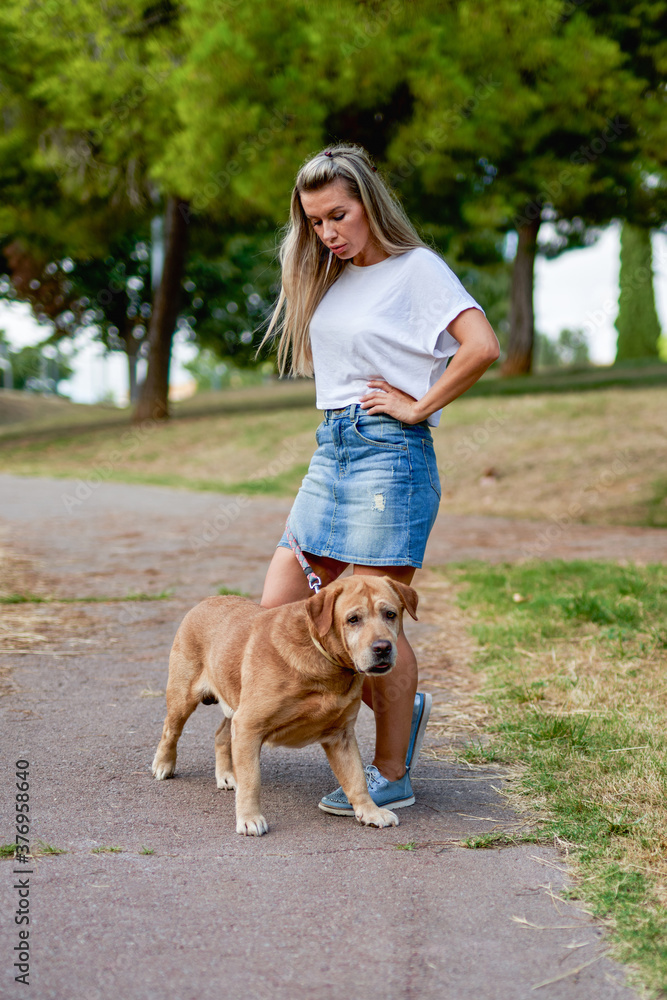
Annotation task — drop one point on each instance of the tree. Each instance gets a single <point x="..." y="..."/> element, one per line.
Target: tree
<point x="570" y="348"/>
<point x="90" y="98"/>
<point x="38" y="368"/>
<point x="523" y="114"/>
<point x="637" y="321"/>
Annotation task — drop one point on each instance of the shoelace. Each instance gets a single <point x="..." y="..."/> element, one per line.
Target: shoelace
<point x="373" y="777"/>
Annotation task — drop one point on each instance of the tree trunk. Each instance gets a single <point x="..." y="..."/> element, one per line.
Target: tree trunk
<point x="153" y="403"/>
<point x="519" y="360"/>
<point x="131" y="353"/>
<point x="132" y="378"/>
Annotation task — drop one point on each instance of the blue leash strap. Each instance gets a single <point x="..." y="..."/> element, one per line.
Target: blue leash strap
<point x="314" y="581"/>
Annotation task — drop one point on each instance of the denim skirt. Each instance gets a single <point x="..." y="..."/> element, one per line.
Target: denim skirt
<point x="371" y="493"/>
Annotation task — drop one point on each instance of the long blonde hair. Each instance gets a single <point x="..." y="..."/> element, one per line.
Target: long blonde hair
<point x="308" y="269"/>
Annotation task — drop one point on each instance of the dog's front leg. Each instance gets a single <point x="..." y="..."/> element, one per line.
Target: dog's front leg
<point x="345" y="760"/>
<point x="246" y="747"/>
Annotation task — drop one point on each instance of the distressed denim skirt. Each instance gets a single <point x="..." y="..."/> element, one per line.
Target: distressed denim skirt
<point x="371" y="493"/>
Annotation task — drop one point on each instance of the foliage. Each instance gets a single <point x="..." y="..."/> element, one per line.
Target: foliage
<point x="637" y="321"/>
<point x="480" y="114"/>
<point x="512" y="118"/>
<point x="232" y="282"/>
<point x="569" y="349"/>
<point x="38" y="368"/>
<point x="211" y="373"/>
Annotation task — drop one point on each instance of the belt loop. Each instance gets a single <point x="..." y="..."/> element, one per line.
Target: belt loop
<point x="352" y="411"/>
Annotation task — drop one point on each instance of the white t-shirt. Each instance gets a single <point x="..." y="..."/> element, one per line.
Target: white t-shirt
<point x="387" y="320"/>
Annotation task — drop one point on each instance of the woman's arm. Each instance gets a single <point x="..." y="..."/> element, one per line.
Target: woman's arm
<point x="479" y="349"/>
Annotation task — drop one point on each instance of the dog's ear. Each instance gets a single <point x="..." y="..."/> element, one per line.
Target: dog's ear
<point x="408" y="596"/>
<point x="320" y="608"/>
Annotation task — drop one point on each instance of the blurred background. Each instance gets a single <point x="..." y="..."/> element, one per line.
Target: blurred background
<point x="148" y="152"/>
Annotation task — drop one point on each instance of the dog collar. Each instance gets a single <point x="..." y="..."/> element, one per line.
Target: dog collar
<point x="323" y="651"/>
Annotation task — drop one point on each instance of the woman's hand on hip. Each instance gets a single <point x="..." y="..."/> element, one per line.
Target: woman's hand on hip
<point x="385" y="398"/>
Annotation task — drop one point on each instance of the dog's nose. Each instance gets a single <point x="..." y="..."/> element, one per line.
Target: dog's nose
<point x="381" y="647"/>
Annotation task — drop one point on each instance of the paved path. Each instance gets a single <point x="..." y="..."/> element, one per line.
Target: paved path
<point x="319" y="908"/>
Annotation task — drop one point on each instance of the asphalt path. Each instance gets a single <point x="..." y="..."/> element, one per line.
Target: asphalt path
<point x="320" y="907"/>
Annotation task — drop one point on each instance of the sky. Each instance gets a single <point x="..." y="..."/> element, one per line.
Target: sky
<point x="578" y="290"/>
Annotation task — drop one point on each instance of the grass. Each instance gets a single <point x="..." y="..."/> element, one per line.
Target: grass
<point x="232" y="592"/>
<point x="43" y="848"/>
<point x="574" y="657"/>
<point x="628" y="375"/>
<point x="587" y="457"/>
<point x="29" y="598"/>
<point x="107" y="849"/>
<point x="147" y="850"/>
<point x="485" y="841"/>
<point x="40" y="849"/>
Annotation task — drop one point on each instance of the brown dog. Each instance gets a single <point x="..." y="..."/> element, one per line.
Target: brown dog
<point x="287" y="676"/>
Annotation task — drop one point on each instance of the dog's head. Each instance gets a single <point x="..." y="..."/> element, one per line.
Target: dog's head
<point x="361" y="618"/>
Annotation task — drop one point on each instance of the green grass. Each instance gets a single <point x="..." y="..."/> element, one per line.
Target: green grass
<point x="573" y="379"/>
<point x="231" y="592"/>
<point x="575" y="658"/>
<point x="29" y="598"/>
<point x="107" y="849"/>
<point x="147" y="850"/>
<point x="43" y="848"/>
<point x="7" y="850"/>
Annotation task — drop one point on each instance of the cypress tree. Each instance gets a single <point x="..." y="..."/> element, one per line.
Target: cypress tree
<point x="637" y="321"/>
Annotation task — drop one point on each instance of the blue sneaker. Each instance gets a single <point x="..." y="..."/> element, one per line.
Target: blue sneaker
<point x="387" y="794"/>
<point x="420" y="714"/>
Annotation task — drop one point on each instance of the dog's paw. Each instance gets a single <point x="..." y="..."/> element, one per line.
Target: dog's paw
<point x="163" y="769"/>
<point x="226" y="780"/>
<point x="377" y="817"/>
<point x="252" y="826"/>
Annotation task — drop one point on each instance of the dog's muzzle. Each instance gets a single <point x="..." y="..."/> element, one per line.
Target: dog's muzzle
<point x="384" y="656"/>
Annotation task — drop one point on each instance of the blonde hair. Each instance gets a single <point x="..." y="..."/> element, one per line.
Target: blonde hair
<point x="308" y="268"/>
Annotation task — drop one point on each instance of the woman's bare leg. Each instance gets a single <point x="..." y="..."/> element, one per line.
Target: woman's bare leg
<point x="392" y="697"/>
<point x="286" y="582"/>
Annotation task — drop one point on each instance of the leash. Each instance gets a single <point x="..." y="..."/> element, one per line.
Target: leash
<point x="314" y="581"/>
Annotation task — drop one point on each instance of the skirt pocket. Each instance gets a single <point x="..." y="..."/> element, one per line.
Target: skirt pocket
<point x="380" y="431"/>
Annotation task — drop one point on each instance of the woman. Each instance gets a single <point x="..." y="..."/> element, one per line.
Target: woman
<point x="376" y="316"/>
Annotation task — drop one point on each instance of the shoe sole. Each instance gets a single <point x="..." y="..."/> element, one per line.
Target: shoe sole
<point x="421" y="729"/>
<point x="341" y="811"/>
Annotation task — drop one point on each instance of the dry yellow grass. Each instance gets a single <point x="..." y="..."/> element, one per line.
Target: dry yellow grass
<point x="594" y="454"/>
<point x="596" y="457"/>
